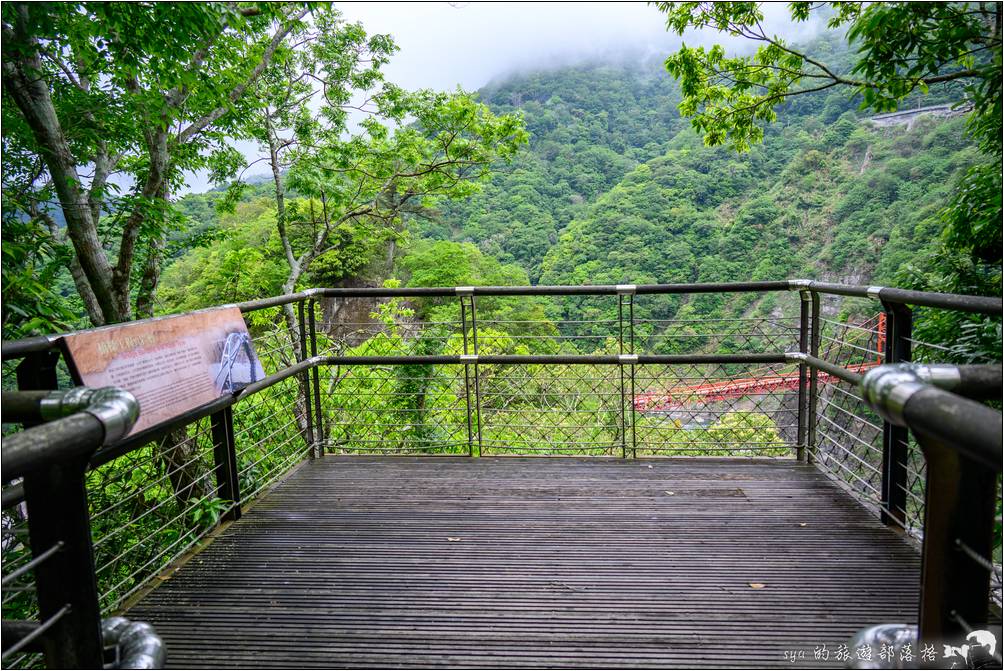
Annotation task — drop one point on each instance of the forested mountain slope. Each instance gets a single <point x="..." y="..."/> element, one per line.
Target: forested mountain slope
<point x="616" y="187"/>
<point x="842" y="201"/>
<point x="589" y="126"/>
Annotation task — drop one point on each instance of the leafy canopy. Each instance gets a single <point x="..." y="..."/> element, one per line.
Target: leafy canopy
<point x="901" y="47"/>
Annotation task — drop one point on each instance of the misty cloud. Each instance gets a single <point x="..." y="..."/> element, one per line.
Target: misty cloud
<point x="468" y="44"/>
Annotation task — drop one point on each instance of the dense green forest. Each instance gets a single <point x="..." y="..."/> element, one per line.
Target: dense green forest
<point x="615" y="187"/>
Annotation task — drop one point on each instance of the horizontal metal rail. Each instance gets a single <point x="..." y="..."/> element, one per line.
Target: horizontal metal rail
<point x="987" y="305"/>
<point x="968" y="426"/>
<point x="977" y="304"/>
<point x="962" y="441"/>
<point x="31" y="632"/>
<point x="98" y="416"/>
<point x="909" y="395"/>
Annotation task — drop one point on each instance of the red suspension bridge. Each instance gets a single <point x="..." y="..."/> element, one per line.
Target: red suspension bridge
<point x="683" y="395"/>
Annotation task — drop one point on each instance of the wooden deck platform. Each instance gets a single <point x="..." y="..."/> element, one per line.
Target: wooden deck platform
<point x="510" y="562"/>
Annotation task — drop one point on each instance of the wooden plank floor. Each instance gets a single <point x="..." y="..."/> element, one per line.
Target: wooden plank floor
<point x="397" y="561"/>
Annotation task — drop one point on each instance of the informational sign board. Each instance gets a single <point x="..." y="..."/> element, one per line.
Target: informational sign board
<point x="172" y="364"/>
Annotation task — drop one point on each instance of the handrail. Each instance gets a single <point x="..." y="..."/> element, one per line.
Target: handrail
<point x="52" y="460"/>
<point x="84" y="419"/>
<point x="915" y="396"/>
<point x="975" y="304"/>
<point x="962" y="444"/>
<point x="987" y="305"/>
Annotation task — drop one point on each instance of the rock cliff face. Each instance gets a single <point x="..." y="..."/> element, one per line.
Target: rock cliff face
<point x="348" y="320"/>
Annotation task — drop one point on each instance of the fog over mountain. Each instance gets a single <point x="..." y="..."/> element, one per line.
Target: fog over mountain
<point x="445" y="44"/>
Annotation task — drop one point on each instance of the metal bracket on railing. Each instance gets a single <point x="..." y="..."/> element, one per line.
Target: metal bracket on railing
<point x="626" y="289"/>
<point x="138" y="645"/>
<point x="464" y="291"/>
<point x="889" y="387"/>
<point x="115" y="408"/>
<point x="627" y="358"/>
<point x="875" y="292"/>
<point x="799" y="284"/>
<point x="468" y="358"/>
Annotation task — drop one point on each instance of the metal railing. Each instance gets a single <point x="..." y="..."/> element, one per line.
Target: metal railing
<point x="602" y="371"/>
<point x="50" y="460"/>
<point x="962" y="442"/>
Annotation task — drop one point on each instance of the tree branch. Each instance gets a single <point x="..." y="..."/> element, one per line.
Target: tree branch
<point x="238" y="91"/>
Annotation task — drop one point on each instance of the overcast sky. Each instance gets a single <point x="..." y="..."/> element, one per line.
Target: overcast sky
<point x="469" y="43"/>
<point x="446" y="44"/>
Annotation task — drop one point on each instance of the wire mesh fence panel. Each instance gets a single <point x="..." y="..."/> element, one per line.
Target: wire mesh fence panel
<point x="552" y="325"/>
<point x="538" y="409"/>
<point x="149" y="507"/>
<point x="350" y="325"/>
<point x="270" y="435"/>
<point x="712" y="324"/>
<point x="848" y="442"/>
<point x="585" y="324"/>
<point x="401" y="409"/>
<point x="715" y="410"/>
<point x="557" y="409"/>
<point x="716" y="336"/>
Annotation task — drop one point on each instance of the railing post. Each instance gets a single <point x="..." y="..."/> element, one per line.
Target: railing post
<point x="632" y="400"/>
<point x="959" y="514"/>
<point x="56" y="498"/>
<point x="477" y="381"/>
<point x="812" y="419"/>
<point x="228" y="485"/>
<point x="803" y="345"/>
<point x="623" y="388"/>
<point x="37" y="372"/>
<point x="467" y="379"/>
<point x="319" y="431"/>
<point x="895" y="439"/>
<point x="305" y="381"/>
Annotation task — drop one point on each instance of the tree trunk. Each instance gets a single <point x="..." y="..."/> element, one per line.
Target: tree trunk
<point x="147" y="294"/>
<point x="146" y="297"/>
<point x="302" y="402"/>
<point x="23" y="80"/>
<point x="178" y="454"/>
